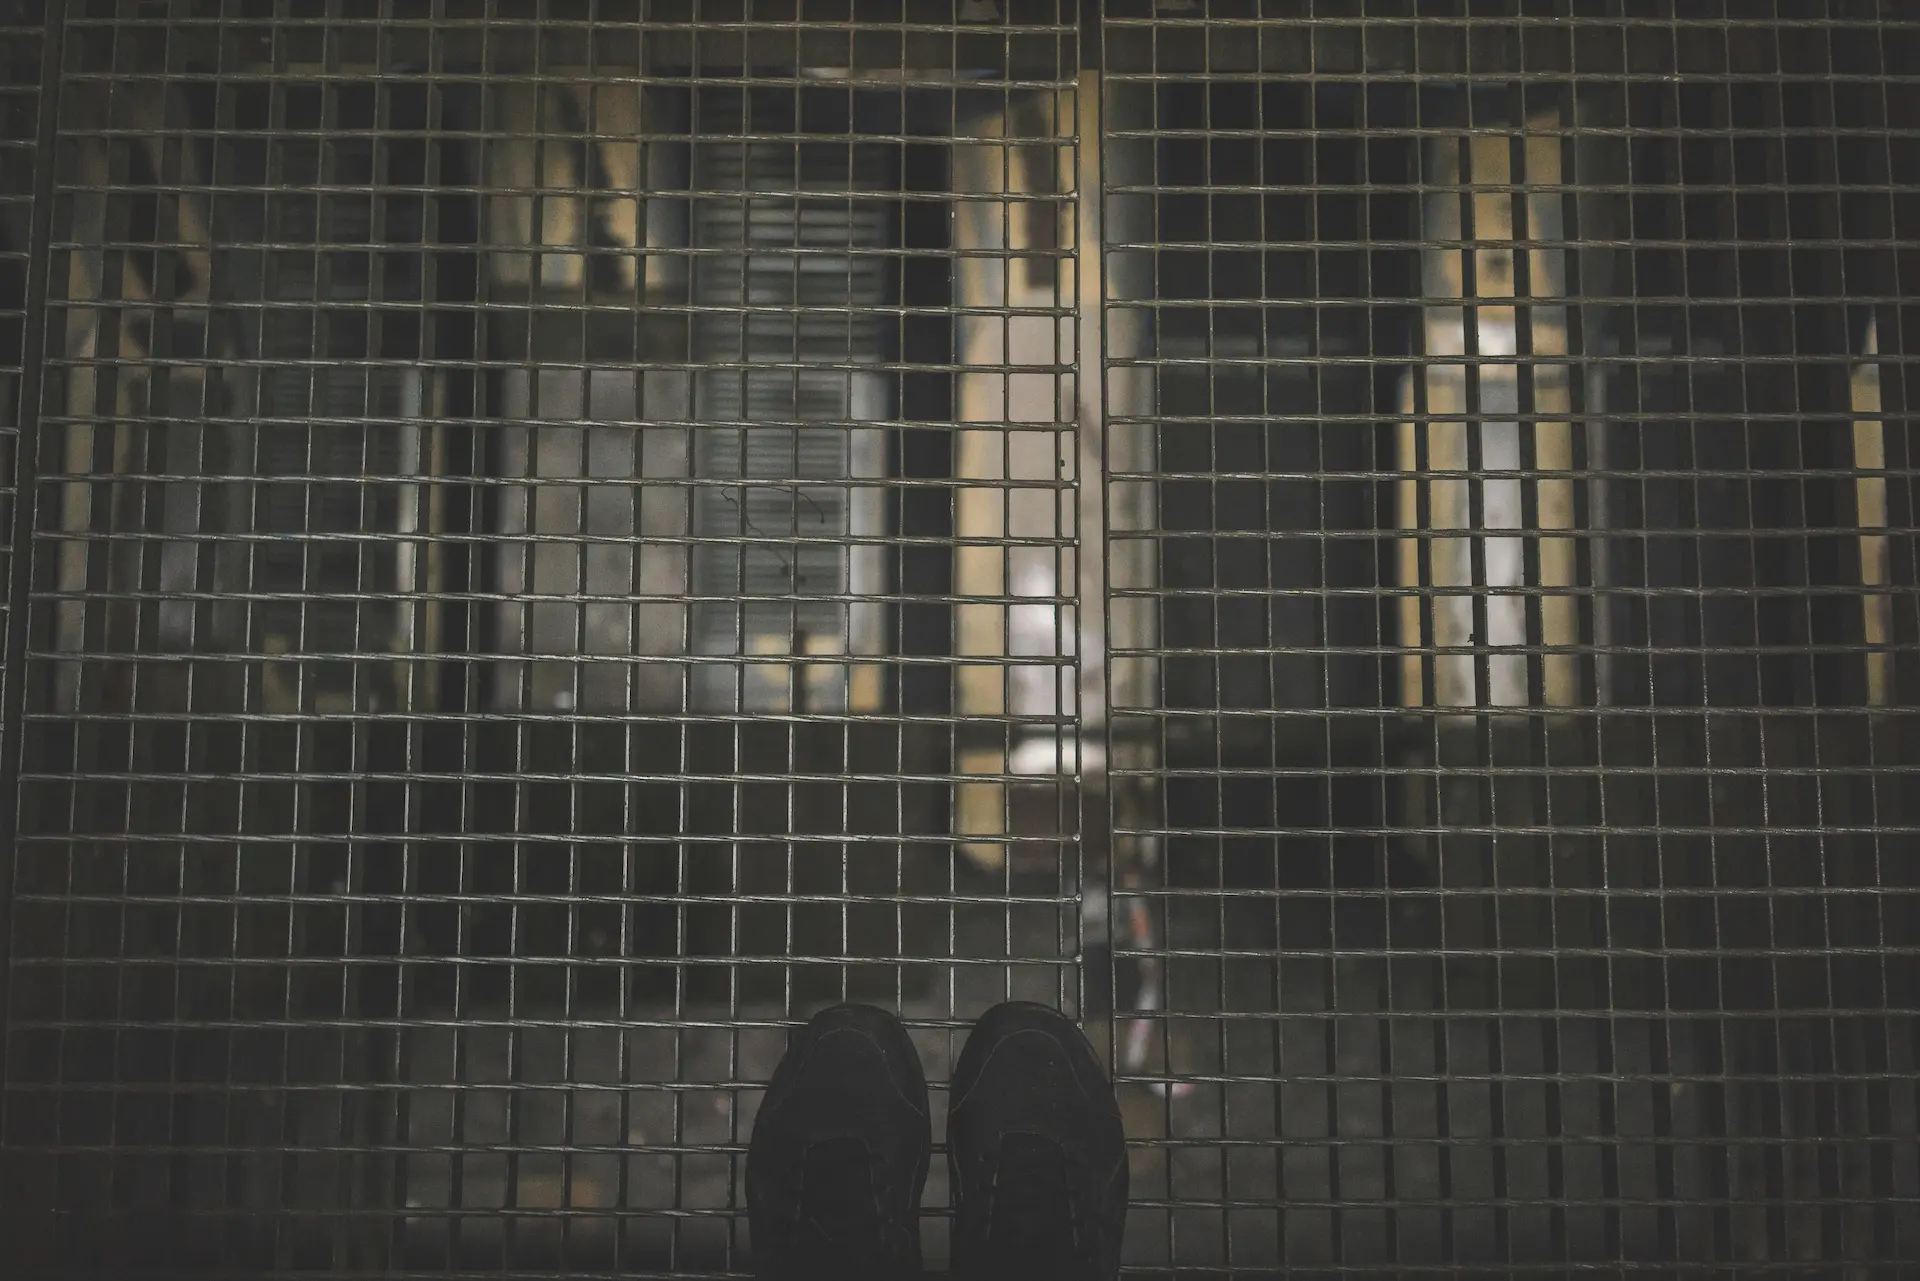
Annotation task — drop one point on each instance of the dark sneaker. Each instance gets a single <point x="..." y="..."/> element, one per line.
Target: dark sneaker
<point x="1037" y="1156"/>
<point x="839" y="1153"/>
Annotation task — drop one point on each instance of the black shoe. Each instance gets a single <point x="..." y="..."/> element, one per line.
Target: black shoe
<point x="1037" y="1156"/>
<point x="839" y="1153"/>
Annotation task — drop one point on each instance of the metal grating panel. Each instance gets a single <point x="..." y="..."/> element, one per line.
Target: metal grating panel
<point x="21" y="46"/>
<point x="1535" y="892"/>
<point x="566" y="536"/>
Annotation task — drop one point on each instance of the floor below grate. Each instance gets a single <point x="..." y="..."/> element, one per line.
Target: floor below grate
<point x="1331" y="1115"/>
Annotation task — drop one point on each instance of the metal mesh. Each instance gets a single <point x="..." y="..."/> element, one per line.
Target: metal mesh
<point x="21" y="47"/>
<point x="1530" y="777"/>
<point x="555" y="539"/>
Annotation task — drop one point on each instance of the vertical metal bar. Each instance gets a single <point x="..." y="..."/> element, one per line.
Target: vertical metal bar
<point x="1092" y="615"/>
<point x="26" y="487"/>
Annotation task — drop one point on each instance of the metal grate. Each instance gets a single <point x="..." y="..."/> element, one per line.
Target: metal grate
<point x="815" y="274"/>
<point x="546" y="541"/>
<point x="21" y="46"/>
<point x="1530" y="774"/>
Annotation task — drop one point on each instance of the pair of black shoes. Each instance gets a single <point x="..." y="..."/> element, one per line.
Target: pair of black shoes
<point x="1036" y="1157"/>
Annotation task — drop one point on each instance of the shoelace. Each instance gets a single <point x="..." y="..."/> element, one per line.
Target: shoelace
<point x="1035" y="1226"/>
